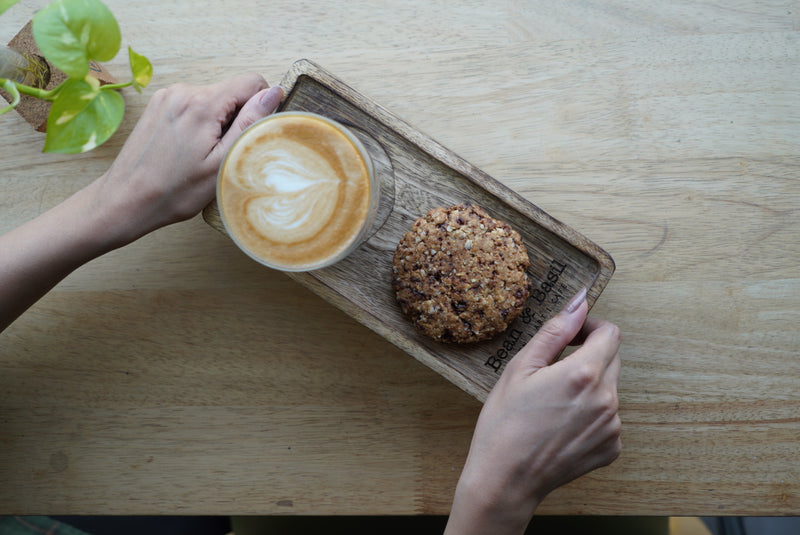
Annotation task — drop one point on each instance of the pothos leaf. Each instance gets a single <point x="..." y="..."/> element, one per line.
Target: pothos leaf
<point x="72" y="32"/>
<point x="83" y="116"/>
<point x="141" y="68"/>
<point x="12" y="90"/>
<point x="5" y="4"/>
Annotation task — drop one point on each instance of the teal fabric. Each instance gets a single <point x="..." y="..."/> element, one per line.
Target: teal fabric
<point x="40" y="525"/>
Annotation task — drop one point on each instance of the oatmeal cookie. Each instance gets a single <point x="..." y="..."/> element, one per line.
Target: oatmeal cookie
<point x="460" y="275"/>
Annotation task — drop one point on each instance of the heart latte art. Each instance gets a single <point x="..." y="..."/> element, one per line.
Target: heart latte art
<point x="294" y="191"/>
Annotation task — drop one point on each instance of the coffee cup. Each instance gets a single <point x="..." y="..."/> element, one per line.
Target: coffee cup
<point x="297" y="191"/>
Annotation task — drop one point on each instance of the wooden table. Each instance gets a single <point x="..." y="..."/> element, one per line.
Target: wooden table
<point x="177" y="376"/>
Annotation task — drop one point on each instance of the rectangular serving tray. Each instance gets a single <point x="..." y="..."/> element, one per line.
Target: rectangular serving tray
<point x="428" y="175"/>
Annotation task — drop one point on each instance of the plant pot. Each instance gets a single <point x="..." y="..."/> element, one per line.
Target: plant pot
<point x="23" y="68"/>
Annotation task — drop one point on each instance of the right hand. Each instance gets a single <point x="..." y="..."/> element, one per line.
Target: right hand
<point x="543" y="424"/>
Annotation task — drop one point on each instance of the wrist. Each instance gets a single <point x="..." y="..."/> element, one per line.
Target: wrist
<point x="117" y="219"/>
<point x="479" y="508"/>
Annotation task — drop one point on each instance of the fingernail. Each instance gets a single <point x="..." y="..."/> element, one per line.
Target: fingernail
<point x="271" y="99"/>
<point x="576" y="301"/>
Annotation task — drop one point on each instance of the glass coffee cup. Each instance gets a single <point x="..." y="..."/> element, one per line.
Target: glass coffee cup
<point x="297" y="191"/>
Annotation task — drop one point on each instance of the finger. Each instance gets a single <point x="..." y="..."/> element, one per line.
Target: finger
<point x="554" y="335"/>
<point x="225" y="100"/>
<point x="614" y="368"/>
<point x="602" y="345"/>
<point x="592" y="452"/>
<point x="609" y="449"/>
<point x="589" y="325"/>
<point x="238" y="89"/>
<point x="257" y="107"/>
<point x="605" y="425"/>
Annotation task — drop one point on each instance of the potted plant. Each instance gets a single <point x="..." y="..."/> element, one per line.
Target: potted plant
<point x="71" y="34"/>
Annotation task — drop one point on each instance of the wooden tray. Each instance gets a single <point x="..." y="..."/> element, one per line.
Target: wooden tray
<point x="427" y="175"/>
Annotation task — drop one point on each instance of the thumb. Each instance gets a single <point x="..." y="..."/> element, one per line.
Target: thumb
<point x="257" y="107"/>
<point x="554" y="335"/>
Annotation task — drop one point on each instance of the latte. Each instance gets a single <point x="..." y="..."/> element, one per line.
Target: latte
<point x="296" y="191"/>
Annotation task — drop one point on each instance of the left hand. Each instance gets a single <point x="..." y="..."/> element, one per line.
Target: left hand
<point x="166" y="171"/>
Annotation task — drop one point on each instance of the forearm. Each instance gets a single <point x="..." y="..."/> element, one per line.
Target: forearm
<point x="164" y="173"/>
<point x="40" y="253"/>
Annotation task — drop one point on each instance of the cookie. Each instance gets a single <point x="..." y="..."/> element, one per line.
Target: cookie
<point x="460" y="275"/>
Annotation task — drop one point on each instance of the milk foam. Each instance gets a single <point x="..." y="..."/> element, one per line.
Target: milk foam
<point x="295" y="191"/>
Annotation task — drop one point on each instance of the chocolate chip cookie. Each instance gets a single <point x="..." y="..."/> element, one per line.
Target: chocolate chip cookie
<point x="460" y="275"/>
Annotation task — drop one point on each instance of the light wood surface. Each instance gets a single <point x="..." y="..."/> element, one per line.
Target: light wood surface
<point x="177" y="376"/>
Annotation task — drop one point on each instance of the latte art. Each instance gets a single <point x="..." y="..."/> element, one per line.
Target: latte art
<point x="295" y="191"/>
<point x="292" y="201"/>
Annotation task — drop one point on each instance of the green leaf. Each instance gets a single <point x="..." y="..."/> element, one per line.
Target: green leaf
<point x="5" y="4"/>
<point x="72" y="32"/>
<point x="141" y="68"/>
<point x="82" y="117"/>
<point x="11" y="87"/>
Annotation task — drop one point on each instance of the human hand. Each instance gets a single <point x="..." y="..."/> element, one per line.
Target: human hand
<point x="166" y="171"/>
<point x="542" y="425"/>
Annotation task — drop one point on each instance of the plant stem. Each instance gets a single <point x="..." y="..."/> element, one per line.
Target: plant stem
<point x="120" y="85"/>
<point x="36" y="92"/>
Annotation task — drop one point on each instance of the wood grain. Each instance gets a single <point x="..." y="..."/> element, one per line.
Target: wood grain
<point x="174" y="375"/>
<point x="427" y="175"/>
